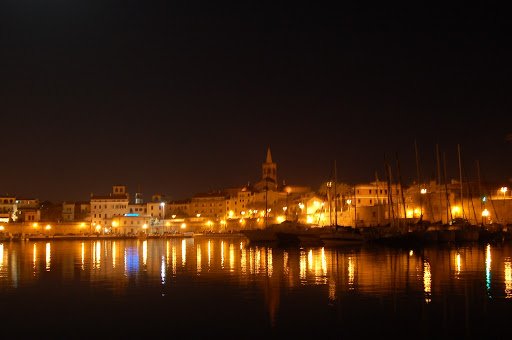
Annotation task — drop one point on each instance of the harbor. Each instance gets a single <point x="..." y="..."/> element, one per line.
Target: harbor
<point x="267" y="290"/>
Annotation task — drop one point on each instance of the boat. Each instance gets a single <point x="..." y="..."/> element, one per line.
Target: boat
<point x="263" y="235"/>
<point x="294" y="233"/>
<point x="284" y="234"/>
<point x="336" y="235"/>
<point x="342" y="236"/>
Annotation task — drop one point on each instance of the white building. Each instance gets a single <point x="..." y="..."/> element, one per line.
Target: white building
<point x="104" y="208"/>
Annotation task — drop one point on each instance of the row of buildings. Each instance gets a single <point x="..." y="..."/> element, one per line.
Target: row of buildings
<point x="266" y="202"/>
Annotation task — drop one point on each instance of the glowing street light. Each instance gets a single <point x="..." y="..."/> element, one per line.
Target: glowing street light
<point x="504" y="191"/>
<point x="162" y="206"/>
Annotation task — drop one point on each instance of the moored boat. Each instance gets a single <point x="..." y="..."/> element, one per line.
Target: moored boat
<point x="342" y="236"/>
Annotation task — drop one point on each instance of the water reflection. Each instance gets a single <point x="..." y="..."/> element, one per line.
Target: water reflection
<point x="48" y="256"/>
<point x="450" y="285"/>
<point x="162" y="270"/>
<point x="341" y="271"/>
<point x="427" y="281"/>
<point x="145" y="252"/>
<point x="508" y="278"/>
<point x="183" y="253"/>
<point x="82" y="253"/>
<point x="198" y="259"/>
<point x="488" y="268"/>
<point x="1" y="257"/>
<point x="114" y="254"/>
<point x="232" y="257"/>
<point x="34" y="258"/>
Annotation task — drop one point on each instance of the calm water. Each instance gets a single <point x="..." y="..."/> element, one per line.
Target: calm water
<point x="209" y="287"/>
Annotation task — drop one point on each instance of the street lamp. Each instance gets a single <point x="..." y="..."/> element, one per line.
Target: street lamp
<point x="504" y="191"/>
<point x="329" y="185"/>
<point x="162" y="206"/>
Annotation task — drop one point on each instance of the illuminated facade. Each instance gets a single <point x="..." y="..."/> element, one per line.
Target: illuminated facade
<point x="8" y="208"/>
<point x="76" y="211"/>
<point x="105" y="208"/>
<point x="375" y="203"/>
<point x="239" y="200"/>
<point x="180" y="208"/>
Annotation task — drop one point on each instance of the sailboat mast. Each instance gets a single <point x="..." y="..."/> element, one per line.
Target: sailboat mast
<point x="439" y="181"/>
<point x="391" y="210"/>
<point x="460" y="180"/>
<point x="479" y="188"/>
<point x="266" y="203"/>
<point x="378" y="200"/>
<point x="418" y="178"/>
<point x="448" y="210"/>
<point x="400" y="184"/>
<point x="335" y="197"/>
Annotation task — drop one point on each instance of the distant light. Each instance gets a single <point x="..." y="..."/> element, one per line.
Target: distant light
<point x="486" y="213"/>
<point x="131" y="215"/>
<point x="423" y="191"/>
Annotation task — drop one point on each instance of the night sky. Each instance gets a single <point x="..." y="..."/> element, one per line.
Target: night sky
<point x="181" y="97"/>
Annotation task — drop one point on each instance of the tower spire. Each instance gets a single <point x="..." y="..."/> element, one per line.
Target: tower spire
<point x="269" y="156"/>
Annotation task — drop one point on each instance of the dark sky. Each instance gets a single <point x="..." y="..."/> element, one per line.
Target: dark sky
<point x="181" y="97"/>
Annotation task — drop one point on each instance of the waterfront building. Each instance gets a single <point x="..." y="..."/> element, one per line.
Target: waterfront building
<point x="239" y="201"/>
<point x="156" y="210"/>
<point x="131" y="224"/>
<point x="106" y="207"/>
<point x="8" y="208"/>
<point x="138" y="208"/>
<point x="375" y="203"/>
<point x="178" y="208"/>
<point x="28" y="210"/>
<point x="76" y="211"/>
<point x="210" y="205"/>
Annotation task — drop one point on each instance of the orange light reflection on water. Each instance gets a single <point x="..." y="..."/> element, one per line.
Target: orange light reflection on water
<point x="427" y="281"/>
<point x="48" y="256"/>
<point x="198" y="259"/>
<point x="508" y="278"/>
